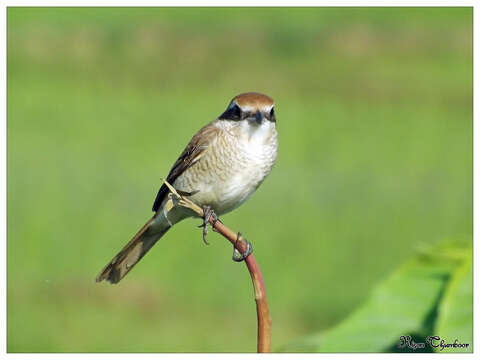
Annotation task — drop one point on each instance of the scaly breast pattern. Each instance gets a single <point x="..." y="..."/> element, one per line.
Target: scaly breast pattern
<point x="232" y="168"/>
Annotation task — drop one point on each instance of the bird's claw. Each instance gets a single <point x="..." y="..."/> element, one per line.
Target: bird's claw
<point x="237" y="255"/>
<point x="207" y="213"/>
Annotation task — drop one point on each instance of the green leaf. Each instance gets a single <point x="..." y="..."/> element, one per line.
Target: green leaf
<point x="455" y="319"/>
<point x="404" y="304"/>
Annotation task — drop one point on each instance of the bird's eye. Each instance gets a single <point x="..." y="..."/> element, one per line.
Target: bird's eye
<point x="272" y="113"/>
<point x="233" y="112"/>
<point x="236" y="112"/>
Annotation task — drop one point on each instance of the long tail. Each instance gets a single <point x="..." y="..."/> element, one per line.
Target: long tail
<point x="131" y="253"/>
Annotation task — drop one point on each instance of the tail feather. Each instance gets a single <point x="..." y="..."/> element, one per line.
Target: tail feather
<point x="131" y="253"/>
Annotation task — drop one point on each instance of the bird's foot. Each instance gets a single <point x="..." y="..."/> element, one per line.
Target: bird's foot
<point x="237" y="255"/>
<point x="207" y="213"/>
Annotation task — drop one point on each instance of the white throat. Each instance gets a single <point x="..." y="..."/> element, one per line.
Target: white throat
<point x="256" y="133"/>
<point x="249" y="131"/>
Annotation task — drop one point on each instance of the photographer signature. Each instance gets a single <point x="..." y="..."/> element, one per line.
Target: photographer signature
<point x="434" y="341"/>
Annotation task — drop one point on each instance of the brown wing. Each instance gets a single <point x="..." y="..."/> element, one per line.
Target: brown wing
<point x="192" y="153"/>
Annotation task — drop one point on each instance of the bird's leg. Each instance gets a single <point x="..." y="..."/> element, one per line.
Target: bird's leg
<point x="207" y="212"/>
<point x="237" y="256"/>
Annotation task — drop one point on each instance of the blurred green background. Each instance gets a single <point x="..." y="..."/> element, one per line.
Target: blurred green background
<point x="374" y="109"/>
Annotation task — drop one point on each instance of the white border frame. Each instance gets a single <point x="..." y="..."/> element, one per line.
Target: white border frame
<point x="299" y="3"/>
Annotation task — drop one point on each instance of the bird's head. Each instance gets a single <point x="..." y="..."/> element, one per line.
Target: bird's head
<point x="250" y="106"/>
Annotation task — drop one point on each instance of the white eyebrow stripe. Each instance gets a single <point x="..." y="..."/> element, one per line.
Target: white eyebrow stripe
<point x="249" y="108"/>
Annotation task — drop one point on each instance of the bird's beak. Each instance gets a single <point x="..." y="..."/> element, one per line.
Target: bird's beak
<point x="259" y="117"/>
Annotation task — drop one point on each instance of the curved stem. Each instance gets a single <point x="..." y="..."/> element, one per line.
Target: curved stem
<point x="264" y="321"/>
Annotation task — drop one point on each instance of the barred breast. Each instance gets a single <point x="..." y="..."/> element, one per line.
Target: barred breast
<point x="235" y="164"/>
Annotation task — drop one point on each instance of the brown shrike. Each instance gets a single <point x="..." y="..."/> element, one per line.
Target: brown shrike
<point x="221" y="167"/>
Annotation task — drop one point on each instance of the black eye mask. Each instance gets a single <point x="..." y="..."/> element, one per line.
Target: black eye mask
<point x="232" y="113"/>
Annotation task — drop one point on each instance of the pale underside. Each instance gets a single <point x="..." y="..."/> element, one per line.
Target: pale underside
<point x="231" y="166"/>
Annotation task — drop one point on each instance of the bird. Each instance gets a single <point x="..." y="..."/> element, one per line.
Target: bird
<point x="221" y="167"/>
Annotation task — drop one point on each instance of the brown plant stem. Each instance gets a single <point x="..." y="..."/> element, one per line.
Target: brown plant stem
<point x="263" y="315"/>
<point x="264" y="322"/>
